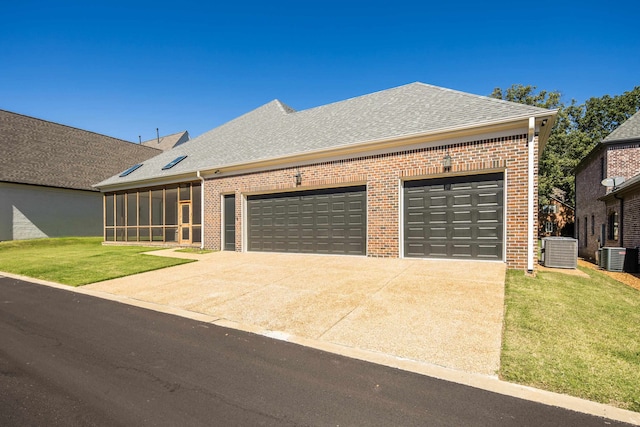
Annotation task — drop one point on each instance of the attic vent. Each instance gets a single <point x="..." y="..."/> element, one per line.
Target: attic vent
<point x="173" y="162"/>
<point x="131" y="169"/>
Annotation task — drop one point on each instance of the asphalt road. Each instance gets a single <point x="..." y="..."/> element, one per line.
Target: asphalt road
<point x="70" y="359"/>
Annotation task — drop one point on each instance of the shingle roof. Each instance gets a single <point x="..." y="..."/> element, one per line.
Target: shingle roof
<point x="167" y="142"/>
<point x="276" y="130"/>
<point x="35" y="151"/>
<point x="630" y="129"/>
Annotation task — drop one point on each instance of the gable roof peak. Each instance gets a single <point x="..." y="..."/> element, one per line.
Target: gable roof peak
<point x="629" y="129"/>
<point x="276" y="131"/>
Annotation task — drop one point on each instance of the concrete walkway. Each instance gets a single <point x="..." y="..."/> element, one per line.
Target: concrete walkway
<point x="447" y="313"/>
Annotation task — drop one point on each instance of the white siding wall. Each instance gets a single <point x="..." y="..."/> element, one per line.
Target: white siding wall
<point x="30" y="211"/>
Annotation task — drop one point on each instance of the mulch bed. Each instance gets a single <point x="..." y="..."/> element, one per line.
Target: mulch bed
<point x="629" y="279"/>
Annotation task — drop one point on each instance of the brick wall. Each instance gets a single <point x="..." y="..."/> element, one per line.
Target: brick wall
<point x="588" y="208"/>
<point x="631" y="221"/>
<point x="620" y="160"/>
<point x="383" y="173"/>
<point x="623" y="160"/>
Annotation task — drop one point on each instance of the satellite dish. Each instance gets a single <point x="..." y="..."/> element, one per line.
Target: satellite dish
<point x="613" y="182"/>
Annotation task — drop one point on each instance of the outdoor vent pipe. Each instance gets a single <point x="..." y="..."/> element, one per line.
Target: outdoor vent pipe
<point x="201" y="209"/>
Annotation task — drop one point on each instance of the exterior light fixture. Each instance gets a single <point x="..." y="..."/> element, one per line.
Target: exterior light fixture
<point x="298" y="177"/>
<point x="446" y="162"/>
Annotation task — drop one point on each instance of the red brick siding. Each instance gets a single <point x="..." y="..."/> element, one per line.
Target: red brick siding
<point x="588" y="190"/>
<point x="631" y="221"/>
<point x="564" y="215"/>
<point x="383" y="174"/>
<point x="620" y="160"/>
<point x="623" y="160"/>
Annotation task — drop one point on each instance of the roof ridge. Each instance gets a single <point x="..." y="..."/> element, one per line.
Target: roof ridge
<point x="355" y="97"/>
<point x="630" y="124"/>
<point x="162" y="137"/>
<point x="285" y="108"/>
<point x="73" y="127"/>
<point x="417" y="84"/>
<point x="487" y="97"/>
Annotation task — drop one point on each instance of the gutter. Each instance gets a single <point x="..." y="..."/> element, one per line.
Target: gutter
<point x="530" y="198"/>
<point x="201" y="209"/>
<point x="351" y="149"/>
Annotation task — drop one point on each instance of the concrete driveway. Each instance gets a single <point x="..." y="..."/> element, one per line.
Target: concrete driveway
<point x="447" y="313"/>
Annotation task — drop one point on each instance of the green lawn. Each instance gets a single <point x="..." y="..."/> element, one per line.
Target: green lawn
<point x="573" y="335"/>
<point x="78" y="260"/>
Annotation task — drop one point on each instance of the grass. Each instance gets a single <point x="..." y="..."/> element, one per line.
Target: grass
<point x="573" y="335"/>
<point x="195" y="251"/>
<point x="568" y="334"/>
<point x="78" y="260"/>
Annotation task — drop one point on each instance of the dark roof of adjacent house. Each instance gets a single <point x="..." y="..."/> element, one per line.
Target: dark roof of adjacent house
<point x="39" y="152"/>
<point x="276" y="131"/>
<point x="630" y="129"/>
<point x="167" y="142"/>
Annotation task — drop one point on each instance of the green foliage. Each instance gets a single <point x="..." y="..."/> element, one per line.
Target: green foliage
<point x="526" y="95"/>
<point x="603" y="115"/>
<point x="577" y="130"/>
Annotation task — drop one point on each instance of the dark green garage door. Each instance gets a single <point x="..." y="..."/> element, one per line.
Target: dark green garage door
<point x="457" y="217"/>
<point x="332" y="221"/>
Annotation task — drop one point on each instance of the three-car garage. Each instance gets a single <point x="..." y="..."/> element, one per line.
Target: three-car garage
<point x="458" y="217"/>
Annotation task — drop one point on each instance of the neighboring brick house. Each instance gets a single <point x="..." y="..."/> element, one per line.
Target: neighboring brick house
<point x="557" y="218"/>
<point x="413" y="171"/>
<point x="599" y="209"/>
<point x="46" y="172"/>
<point x="165" y="143"/>
<point x="623" y="215"/>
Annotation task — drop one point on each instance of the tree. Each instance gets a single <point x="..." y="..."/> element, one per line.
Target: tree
<point x="577" y="130"/>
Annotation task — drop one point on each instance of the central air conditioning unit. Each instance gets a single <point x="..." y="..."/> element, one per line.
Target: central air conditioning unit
<point x="560" y="252"/>
<point x="612" y="259"/>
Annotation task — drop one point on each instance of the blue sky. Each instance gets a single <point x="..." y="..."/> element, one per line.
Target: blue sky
<point x="126" y="68"/>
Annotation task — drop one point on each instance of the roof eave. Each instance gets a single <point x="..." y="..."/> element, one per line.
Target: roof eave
<point x="149" y="182"/>
<point x="514" y="122"/>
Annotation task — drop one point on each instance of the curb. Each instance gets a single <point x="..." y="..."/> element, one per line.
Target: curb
<point x="483" y="382"/>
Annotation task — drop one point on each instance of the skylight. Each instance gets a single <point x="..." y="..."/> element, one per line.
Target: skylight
<point x="173" y="162"/>
<point x="131" y="169"/>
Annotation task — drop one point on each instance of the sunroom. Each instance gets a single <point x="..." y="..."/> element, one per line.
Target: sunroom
<point x="164" y="214"/>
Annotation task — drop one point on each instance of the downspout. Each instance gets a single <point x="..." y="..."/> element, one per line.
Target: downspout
<point x="530" y="198"/>
<point x="201" y="209"/>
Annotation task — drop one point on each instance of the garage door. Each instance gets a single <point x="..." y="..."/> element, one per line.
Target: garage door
<point x="457" y="217"/>
<point x="331" y="221"/>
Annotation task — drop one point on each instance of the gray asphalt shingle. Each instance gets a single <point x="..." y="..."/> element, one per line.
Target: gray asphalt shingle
<point x="275" y="130"/>
<point x="38" y="152"/>
<point x="630" y="129"/>
<point x="167" y="142"/>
